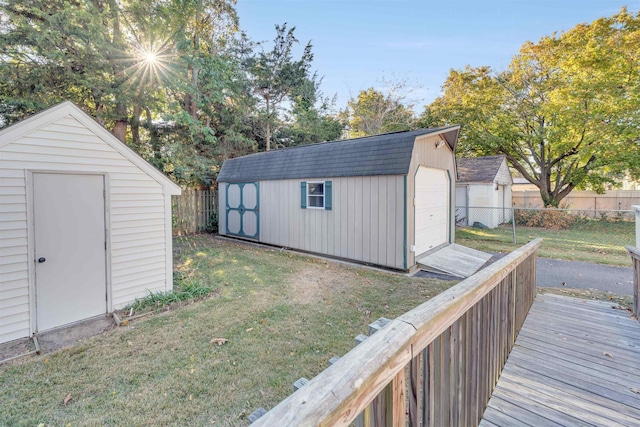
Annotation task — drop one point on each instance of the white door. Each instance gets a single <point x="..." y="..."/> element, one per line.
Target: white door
<point x="70" y="254"/>
<point x="431" y="208"/>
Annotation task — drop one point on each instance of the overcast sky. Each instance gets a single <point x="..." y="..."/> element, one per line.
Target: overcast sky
<point x="357" y="43"/>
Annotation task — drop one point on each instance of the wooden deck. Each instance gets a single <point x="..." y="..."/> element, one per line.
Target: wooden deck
<point x="575" y="363"/>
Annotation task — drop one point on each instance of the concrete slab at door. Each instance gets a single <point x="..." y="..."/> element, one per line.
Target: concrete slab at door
<point x="431" y="208"/>
<point x="70" y="254"/>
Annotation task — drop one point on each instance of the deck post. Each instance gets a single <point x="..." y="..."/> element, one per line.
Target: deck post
<point x="635" y="258"/>
<point x="637" y="209"/>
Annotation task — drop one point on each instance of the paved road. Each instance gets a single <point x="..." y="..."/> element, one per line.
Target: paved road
<point x="572" y="274"/>
<point x="584" y="275"/>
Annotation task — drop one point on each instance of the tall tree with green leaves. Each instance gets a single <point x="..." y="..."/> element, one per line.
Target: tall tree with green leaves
<point x="373" y="112"/>
<point x="276" y="75"/>
<point x="311" y="119"/>
<point x="566" y="111"/>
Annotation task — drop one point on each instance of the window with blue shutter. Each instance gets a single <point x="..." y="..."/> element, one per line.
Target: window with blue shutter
<point x="316" y="195"/>
<point x="328" y="197"/>
<point x="303" y="195"/>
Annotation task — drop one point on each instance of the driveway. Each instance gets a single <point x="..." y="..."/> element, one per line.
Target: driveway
<point x="555" y="273"/>
<point x="584" y="275"/>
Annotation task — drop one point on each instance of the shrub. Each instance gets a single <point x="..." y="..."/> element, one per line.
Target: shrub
<point x="550" y="218"/>
<point x="212" y="224"/>
<point x="183" y="290"/>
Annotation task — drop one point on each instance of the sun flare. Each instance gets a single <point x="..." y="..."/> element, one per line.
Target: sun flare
<point x="149" y="57"/>
<point x="152" y="64"/>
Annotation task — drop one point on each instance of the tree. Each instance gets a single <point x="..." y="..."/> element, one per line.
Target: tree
<point x="565" y="112"/>
<point x="52" y="51"/>
<point x="276" y="75"/>
<point x="310" y="120"/>
<point x="373" y="112"/>
<point x="174" y="79"/>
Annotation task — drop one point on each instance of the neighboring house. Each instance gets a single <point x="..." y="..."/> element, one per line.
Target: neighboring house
<point x="483" y="191"/>
<point x="85" y="223"/>
<point x="382" y="200"/>
<point x="523" y="184"/>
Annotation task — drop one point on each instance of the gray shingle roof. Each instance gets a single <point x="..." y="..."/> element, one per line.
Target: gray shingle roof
<point x="387" y="154"/>
<point x="479" y="169"/>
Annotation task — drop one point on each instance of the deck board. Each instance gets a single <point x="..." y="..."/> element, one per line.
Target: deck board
<point x="575" y="362"/>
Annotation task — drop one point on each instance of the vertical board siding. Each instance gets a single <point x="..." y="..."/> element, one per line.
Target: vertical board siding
<point x="222" y="208"/>
<point x="426" y="154"/>
<point x="136" y="225"/>
<point x="352" y="229"/>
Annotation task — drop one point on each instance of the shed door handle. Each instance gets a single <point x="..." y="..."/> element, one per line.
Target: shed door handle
<point x="42" y="259"/>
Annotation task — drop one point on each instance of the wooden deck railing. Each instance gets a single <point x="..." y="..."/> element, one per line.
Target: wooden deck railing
<point x="635" y="259"/>
<point x="434" y="365"/>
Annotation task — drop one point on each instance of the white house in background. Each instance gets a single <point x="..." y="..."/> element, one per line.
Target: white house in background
<point x="483" y="191"/>
<point x="85" y="223"/>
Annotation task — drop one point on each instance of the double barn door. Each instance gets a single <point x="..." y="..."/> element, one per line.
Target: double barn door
<point x="243" y="203"/>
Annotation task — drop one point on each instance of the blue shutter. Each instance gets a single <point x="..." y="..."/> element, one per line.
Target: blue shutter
<point x="303" y="194"/>
<point x="328" y="198"/>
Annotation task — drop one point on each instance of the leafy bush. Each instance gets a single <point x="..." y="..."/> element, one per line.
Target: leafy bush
<point x="212" y="224"/>
<point x="549" y="218"/>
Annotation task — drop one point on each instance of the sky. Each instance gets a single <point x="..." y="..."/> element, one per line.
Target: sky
<point x="359" y="44"/>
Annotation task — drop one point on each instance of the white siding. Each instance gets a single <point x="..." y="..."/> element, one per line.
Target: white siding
<point x="483" y="196"/>
<point x="426" y="153"/>
<point x="365" y="223"/>
<point x="136" y="224"/>
<point x="222" y="208"/>
<point x="503" y="177"/>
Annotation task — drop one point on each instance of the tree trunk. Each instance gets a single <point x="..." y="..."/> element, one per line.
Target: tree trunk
<point x="135" y="126"/>
<point x="122" y="122"/>
<point x="122" y="119"/>
<point x="154" y="139"/>
<point x="267" y="136"/>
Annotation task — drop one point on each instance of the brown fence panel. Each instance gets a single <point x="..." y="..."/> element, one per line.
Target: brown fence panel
<point x="193" y="210"/>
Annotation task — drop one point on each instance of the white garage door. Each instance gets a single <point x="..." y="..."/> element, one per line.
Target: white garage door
<point x="431" y="208"/>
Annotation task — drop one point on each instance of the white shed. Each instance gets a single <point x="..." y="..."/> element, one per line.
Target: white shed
<point x="383" y="200"/>
<point x="85" y="223"/>
<point x="483" y="191"/>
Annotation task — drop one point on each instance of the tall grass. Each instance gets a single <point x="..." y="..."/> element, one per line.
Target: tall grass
<point x="185" y="289"/>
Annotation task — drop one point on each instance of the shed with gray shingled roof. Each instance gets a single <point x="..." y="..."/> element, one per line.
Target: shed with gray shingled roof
<point x="381" y="200"/>
<point x="483" y="191"/>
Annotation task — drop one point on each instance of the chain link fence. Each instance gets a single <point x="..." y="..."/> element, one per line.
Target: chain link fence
<point x="580" y="234"/>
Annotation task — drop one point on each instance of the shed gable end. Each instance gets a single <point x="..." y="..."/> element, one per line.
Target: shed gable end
<point x="136" y="217"/>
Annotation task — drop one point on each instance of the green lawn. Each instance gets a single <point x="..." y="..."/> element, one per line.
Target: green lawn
<point x="592" y="241"/>
<point x="283" y="315"/>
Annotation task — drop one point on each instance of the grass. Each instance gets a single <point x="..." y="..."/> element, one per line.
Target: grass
<point x="283" y="315"/>
<point x="600" y="242"/>
<point x="184" y="290"/>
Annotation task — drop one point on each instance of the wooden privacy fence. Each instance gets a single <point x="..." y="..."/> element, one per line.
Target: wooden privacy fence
<point x="612" y="200"/>
<point x="192" y="211"/>
<point x="435" y="365"/>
